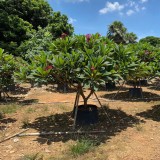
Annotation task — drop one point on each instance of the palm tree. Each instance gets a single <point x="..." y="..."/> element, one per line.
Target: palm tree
<point x="131" y="37"/>
<point x="117" y="32"/>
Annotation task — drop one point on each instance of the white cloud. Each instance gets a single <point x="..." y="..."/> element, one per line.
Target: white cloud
<point x="130" y="12"/>
<point x="111" y="7"/>
<point x="131" y="3"/>
<point x="137" y="9"/>
<point x="72" y="20"/>
<point x="143" y="1"/>
<point x="143" y="8"/>
<point x="128" y="8"/>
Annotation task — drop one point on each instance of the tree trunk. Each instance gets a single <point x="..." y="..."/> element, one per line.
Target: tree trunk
<point x="85" y="102"/>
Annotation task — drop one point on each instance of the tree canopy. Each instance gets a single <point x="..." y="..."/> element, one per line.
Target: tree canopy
<point x="154" y="41"/>
<point x="19" y="19"/>
<point x="37" y="13"/>
<point x="118" y="33"/>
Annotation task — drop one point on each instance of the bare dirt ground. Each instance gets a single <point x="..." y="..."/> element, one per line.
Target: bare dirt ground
<point x="132" y="135"/>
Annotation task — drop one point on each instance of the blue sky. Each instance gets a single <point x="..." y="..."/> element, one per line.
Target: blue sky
<point x="91" y="16"/>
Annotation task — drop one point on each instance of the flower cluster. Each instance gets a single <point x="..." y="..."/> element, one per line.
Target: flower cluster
<point x="63" y="35"/>
<point x="92" y="68"/>
<point x="146" y="52"/>
<point x="88" y="37"/>
<point x="49" y="67"/>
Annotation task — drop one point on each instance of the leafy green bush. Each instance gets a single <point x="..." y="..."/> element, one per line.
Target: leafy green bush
<point x="35" y="71"/>
<point x="7" y="67"/>
<point x="84" y="60"/>
<point x="39" y="41"/>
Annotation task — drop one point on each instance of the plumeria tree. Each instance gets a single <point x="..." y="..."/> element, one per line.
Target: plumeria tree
<point x="130" y="63"/>
<point x="82" y="62"/>
<point x="89" y="64"/>
<point x="148" y="55"/>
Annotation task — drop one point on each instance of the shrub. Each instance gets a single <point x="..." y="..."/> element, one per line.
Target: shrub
<point x="7" y="67"/>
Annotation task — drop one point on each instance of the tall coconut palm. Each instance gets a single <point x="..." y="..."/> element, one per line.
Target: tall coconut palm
<point x="116" y="32"/>
<point x="131" y="37"/>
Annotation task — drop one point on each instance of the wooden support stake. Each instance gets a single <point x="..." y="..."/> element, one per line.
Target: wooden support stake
<point x="17" y="134"/>
<point x="59" y="133"/>
<point x="76" y="110"/>
<point x="103" y="108"/>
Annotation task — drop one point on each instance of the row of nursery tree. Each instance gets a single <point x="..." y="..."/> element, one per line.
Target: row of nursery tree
<point x="81" y="61"/>
<point x="29" y="25"/>
<point x="38" y="46"/>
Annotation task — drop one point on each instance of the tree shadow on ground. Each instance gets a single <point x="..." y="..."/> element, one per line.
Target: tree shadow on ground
<point x="4" y="121"/>
<point x="153" y="113"/>
<point x="117" y="87"/>
<point x="28" y="101"/>
<point x="155" y="86"/>
<point x="64" y="123"/>
<point x="20" y="90"/>
<point x="124" y="96"/>
<point x="18" y="100"/>
<point x="60" y="88"/>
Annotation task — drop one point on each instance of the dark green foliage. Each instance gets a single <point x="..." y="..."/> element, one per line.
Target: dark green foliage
<point x="13" y="30"/>
<point x="154" y="41"/>
<point x="36" y="12"/>
<point x="59" y="25"/>
<point x="19" y="19"/>
<point x="7" y="67"/>
<point x="39" y="41"/>
<point x="131" y="37"/>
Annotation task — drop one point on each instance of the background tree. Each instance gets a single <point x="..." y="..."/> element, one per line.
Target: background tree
<point x="154" y="41"/>
<point x="7" y="68"/>
<point x="131" y="37"/>
<point x="59" y="25"/>
<point x="37" y="13"/>
<point x="19" y="19"/>
<point x="118" y="33"/>
<point x="38" y="42"/>
<point x="13" y="30"/>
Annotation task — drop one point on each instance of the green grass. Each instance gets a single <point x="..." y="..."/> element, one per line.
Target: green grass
<point x="1" y="115"/>
<point x="81" y="147"/>
<point x="139" y="127"/>
<point x="8" y="109"/>
<point x="34" y="156"/>
<point x="30" y="110"/>
<point x="25" y="121"/>
<point x="45" y="109"/>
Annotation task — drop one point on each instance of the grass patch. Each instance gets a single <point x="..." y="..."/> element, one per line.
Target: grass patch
<point x="81" y="147"/>
<point x="63" y="107"/>
<point x="1" y="115"/>
<point x="45" y="109"/>
<point x="139" y="127"/>
<point x="34" y="156"/>
<point x="8" y="109"/>
<point x="30" y="110"/>
<point x="25" y="121"/>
